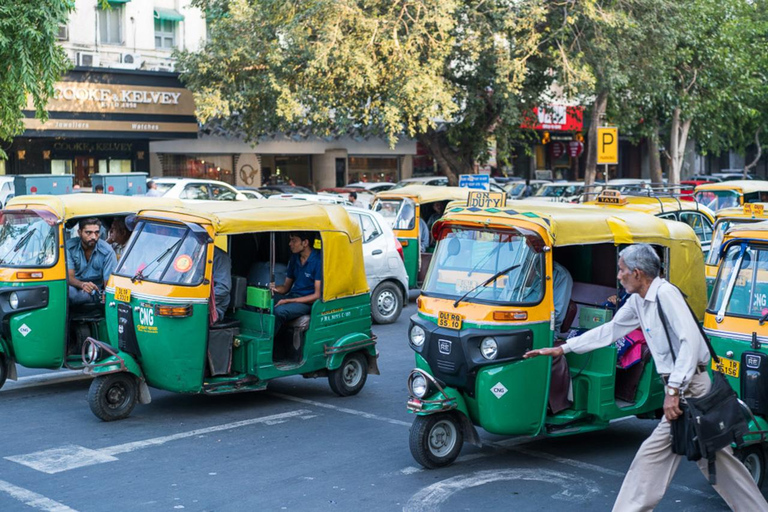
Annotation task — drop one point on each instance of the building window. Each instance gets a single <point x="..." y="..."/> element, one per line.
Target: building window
<point x="165" y="34"/>
<point x="111" y="25"/>
<point x="212" y="167"/>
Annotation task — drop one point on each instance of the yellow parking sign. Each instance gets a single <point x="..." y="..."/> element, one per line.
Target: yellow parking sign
<point x="607" y="145"/>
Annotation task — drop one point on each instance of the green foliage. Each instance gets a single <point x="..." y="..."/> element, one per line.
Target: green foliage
<point x="32" y="61"/>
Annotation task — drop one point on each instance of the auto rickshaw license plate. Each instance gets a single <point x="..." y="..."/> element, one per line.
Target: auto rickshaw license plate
<point x="122" y="294"/>
<point x="730" y="367"/>
<point x="449" y="320"/>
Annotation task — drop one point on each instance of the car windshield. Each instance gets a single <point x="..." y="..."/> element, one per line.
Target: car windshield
<point x="27" y="239"/>
<point x="718" y="199"/>
<point x="515" y="189"/>
<point x="399" y="213"/>
<point x="717" y="237"/>
<point x="164" y="253"/>
<point x="164" y="187"/>
<point x="466" y="258"/>
<point x="560" y="190"/>
<point x="741" y="288"/>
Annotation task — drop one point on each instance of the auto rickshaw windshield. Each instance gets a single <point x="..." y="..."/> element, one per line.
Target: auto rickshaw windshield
<point x="465" y="258"/>
<point x="27" y="240"/>
<point x="400" y="213"/>
<point x="717" y="237"/>
<point x="742" y="282"/>
<point x="718" y="199"/>
<point x="164" y="253"/>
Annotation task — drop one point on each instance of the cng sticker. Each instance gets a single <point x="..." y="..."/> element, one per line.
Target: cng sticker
<point x="24" y="330"/>
<point x="499" y="390"/>
<point x="182" y="264"/>
<point x="146" y="316"/>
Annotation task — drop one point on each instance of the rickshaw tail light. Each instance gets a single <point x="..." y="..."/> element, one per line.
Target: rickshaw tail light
<point x="418" y="303"/>
<point x="177" y="311"/>
<point x="404" y="243"/>
<point x="510" y="316"/>
<point x="29" y="275"/>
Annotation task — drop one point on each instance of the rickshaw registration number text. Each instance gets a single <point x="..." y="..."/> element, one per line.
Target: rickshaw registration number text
<point x="122" y="294"/>
<point x="730" y="367"/>
<point x="449" y="320"/>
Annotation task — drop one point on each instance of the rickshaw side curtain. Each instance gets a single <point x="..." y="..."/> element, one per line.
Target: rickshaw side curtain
<point x="343" y="266"/>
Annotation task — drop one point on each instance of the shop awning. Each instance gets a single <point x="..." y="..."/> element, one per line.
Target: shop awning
<point x="118" y="2"/>
<point x="168" y="14"/>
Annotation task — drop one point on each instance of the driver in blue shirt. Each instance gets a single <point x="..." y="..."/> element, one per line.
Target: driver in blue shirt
<point x="303" y="280"/>
<point x="90" y="262"/>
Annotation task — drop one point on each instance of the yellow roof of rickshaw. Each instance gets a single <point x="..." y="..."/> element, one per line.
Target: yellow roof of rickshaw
<point x="737" y="212"/>
<point x="754" y="230"/>
<point x="343" y="265"/>
<point x="70" y="206"/>
<point x="423" y="194"/>
<point x="655" y="205"/>
<point x="740" y="186"/>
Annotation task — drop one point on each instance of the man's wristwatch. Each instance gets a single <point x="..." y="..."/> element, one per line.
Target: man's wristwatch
<point x="673" y="391"/>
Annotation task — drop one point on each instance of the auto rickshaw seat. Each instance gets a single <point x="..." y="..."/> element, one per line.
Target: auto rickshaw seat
<point x="300" y="324"/>
<point x="238" y="292"/>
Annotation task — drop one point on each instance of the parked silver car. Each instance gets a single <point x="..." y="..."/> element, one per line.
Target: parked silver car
<point x="384" y="267"/>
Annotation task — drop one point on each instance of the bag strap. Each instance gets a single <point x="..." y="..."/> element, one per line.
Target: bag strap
<point x="666" y="328"/>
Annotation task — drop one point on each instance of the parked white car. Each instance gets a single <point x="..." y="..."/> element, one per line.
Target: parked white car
<point x="434" y="181"/>
<point x="191" y="189"/>
<point x="320" y="198"/>
<point x="373" y="188"/>
<point x="384" y="267"/>
<point x="564" y="191"/>
<point x="7" y="190"/>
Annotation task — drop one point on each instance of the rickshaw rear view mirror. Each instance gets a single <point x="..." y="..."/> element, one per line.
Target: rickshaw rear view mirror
<point x="454" y="247"/>
<point x="199" y="232"/>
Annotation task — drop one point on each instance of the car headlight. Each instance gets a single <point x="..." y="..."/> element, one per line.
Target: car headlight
<point x="13" y="300"/>
<point x="419" y="386"/>
<point x="489" y="348"/>
<point x="93" y="353"/>
<point x="418" y="336"/>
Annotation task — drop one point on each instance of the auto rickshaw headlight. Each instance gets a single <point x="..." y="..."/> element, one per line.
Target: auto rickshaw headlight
<point x="93" y="353"/>
<point x="489" y="348"/>
<point x="419" y="386"/>
<point x="13" y="300"/>
<point x="418" y="336"/>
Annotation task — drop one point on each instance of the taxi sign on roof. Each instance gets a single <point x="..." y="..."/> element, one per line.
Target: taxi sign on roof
<point x="479" y="199"/>
<point x="753" y="209"/>
<point x="609" y="196"/>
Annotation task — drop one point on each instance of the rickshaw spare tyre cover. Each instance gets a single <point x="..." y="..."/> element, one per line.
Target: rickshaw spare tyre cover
<point x="220" y="350"/>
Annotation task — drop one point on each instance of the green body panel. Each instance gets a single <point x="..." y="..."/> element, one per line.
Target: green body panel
<point x="454" y="394"/>
<point x="45" y="344"/>
<point x="173" y="350"/>
<point x="411" y="256"/>
<point x="112" y="364"/>
<point x="335" y="360"/>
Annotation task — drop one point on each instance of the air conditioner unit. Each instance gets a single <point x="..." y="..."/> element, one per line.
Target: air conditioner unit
<point x="129" y="61"/>
<point x="63" y="33"/>
<point x="87" y="59"/>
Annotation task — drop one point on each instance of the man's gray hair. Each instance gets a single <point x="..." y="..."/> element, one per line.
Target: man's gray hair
<point x="643" y="258"/>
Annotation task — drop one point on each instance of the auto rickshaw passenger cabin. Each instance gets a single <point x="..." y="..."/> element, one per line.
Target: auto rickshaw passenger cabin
<point x="405" y="208"/>
<point x="728" y="194"/>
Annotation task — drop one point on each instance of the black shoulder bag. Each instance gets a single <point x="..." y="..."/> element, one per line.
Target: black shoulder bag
<point x="710" y="422"/>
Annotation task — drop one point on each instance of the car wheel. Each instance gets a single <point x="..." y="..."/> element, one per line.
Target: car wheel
<point x="350" y="377"/>
<point x="386" y="303"/>
<point x="753" y="458"/>
<point x="436" y="439"/>
<point x="113" y="397"/>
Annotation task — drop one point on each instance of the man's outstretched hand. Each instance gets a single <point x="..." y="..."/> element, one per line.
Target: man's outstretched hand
<point x="552" y="352"/>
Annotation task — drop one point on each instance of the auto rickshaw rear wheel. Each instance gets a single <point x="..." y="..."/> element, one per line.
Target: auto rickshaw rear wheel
<point x="5" y="369"/>
<point x="436" y="439"/>
<point x="350" y="377"/>
<point x="113" y="397"/>
<point x="753" y="457"/>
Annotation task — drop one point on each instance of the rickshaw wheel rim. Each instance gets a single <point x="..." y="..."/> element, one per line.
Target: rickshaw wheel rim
<point x="387" y="303"/>
<point x="115" y="395"/>
<point x="442" y="438"/>
<point x="752" y="463"/>
<point x="353" y="372"/>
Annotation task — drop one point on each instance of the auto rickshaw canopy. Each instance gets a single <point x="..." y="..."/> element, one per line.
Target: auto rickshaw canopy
<point x="341" y="237"/>
<point x="73" y="206"/>
<point x="654" y="205"/>
<point x="424" y="194"/>
<point x="740" y="186"/>
<point x="745" y="211"/>
<point x="563" y="224"/>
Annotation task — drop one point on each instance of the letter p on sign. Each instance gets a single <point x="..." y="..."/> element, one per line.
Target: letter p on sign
<point x="607" y="145"/>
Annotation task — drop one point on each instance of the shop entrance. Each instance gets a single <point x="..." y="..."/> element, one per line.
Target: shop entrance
<point x="84" y="167"/>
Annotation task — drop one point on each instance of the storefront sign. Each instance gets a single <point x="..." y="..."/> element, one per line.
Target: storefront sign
<point x="555" y="118"/>
<point x="557" y="149"/>
<point x="109" y="126"/>
<point x="575" y="148"/>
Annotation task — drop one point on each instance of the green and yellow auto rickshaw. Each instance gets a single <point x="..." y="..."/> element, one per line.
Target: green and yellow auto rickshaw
<point x="408" y="210"/>
<point x="159" y="306"/>
<point x="488" y="299"/>
<point x="40" y="329"/>
<point x="735" y="322"/>
<point x="730" y="194"/>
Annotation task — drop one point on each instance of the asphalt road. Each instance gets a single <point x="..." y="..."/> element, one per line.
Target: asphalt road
<point x="296" y="446"/>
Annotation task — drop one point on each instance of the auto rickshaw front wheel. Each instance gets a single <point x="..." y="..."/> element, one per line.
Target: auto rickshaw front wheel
<point x="436" y="439"/>
<point x="5" y="369"/>
<point x="113" y="397"/>
<point x="350" y="377"/>
<point x="753" y="457"/>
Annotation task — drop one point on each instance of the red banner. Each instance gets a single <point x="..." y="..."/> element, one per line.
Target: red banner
<point x="555" y="118"/>
<point x="557" y="149"/>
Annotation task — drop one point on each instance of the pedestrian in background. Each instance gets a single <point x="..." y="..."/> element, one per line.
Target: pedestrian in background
<point x="655" y="465"/>
<point x="152" y="190"/>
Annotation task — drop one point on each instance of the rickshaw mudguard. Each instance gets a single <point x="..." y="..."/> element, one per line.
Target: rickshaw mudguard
<point x="354" y="342"/>
<point x="117" y="363"/>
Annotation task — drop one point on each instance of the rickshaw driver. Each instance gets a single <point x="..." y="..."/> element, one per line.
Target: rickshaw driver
<point x="655" y="465"/>
<point x="303" y="280"/>
<point x="90" y="262"/>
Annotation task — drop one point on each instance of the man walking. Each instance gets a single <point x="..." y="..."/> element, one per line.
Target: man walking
<point x="655" y="465"/>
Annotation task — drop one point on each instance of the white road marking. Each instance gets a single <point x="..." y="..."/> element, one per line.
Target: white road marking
<point x="32" y="499"/>
<point x="575" y="489"/>
<point x="362" y="414"/>
<point x="45" y="379"/>
<point x="70" y="457"/>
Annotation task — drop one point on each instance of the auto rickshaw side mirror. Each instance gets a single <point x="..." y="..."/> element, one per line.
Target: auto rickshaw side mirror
<point x="201" y="235"/>
<point x="454" y="247"/>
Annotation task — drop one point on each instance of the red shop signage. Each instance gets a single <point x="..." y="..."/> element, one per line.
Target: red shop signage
<point x="575" y="148"/>
<point x="555" y="118"/>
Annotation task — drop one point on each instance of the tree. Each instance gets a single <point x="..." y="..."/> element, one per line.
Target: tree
<point x="451" y="73"/>
<point x="32" y="61"/>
